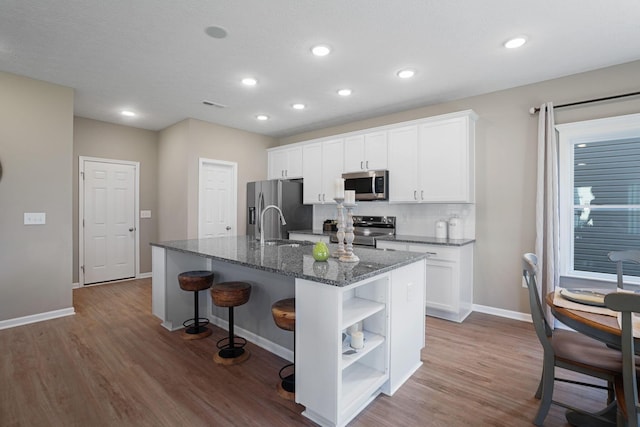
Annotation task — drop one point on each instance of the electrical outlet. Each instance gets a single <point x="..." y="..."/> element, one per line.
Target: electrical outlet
<point x="35" y="218"/>
<point x="145" y="214"/>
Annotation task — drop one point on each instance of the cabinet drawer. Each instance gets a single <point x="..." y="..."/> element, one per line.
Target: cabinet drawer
<point x="436" y="252"/>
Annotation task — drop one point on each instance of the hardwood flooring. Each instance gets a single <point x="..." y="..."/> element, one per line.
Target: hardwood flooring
<point x="112" y="364"/>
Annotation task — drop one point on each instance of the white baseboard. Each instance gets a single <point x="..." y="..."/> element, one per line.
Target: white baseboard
<point x="75" y="285"/>
<point x="270" y="346"/>
<point x="144" y="275"/>
<point x="525" y="317"/>
<point x="25" y="320"/>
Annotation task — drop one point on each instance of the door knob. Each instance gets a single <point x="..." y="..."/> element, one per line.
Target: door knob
<point x="132" y="229"/>
<point x="227" y="228"/>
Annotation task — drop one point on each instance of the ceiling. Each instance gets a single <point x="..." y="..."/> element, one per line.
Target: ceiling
<point x="154" y="57"/>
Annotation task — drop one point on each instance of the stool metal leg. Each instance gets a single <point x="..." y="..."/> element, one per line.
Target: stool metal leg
<point x="231" y="347"/>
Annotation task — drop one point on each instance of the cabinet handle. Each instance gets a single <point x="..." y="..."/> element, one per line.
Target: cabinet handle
<point x="282" y="173"/>
<point x="422" y="194"/>
<point x="361" y="165"/>
<point x="415" y="194"/>
<point x="367" y="164"/>
<point x="323" y="197"/>
<point x="430" y="254"/>
<point x="319" y="199"/>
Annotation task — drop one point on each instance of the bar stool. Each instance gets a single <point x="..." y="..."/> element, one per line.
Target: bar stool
<point x="195" y="281"/>
<point x="284" y="315"/>
<point x="231" y="294"/>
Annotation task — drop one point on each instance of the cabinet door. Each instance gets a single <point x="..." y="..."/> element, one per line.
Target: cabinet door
<point x="294" y="163"/>
<point x="277" y="164"/>
<point x="403" y="164"/>
<point x="442" y="291"/>
<point x="312" y="173"/>
<point x="354" y="153"/>
<point x="375" y="151"/>
<point x="332" y="167"/>
<point x="445" y="161"/>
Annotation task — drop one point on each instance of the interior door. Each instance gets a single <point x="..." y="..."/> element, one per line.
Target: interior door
<point x="109" y="221"/>
<point x="217" y="201"/>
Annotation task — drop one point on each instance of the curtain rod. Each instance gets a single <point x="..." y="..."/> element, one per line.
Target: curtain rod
<point x="588" y="101"/>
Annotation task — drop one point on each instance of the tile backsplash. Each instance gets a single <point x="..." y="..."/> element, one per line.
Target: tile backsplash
<point x="411" y="219"/>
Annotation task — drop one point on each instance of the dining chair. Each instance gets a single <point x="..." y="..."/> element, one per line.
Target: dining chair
<point x="568" y="350"/>
<point x="627" y="390"/>
<point x="620" y="257"/>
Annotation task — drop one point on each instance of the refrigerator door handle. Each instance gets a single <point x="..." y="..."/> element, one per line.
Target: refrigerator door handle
<point x="260" y="208"/>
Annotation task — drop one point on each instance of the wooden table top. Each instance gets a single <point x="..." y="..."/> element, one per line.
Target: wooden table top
<point x="599" y="326"/>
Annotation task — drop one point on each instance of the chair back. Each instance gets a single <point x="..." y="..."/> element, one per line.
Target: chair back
<point x="627" y="304"/>
<point x="529" y="271"/>
<point x="620" y="257"/>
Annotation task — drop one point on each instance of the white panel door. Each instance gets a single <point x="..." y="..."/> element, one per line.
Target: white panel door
<point x="109" y="221"/>
<point x="217" y="204"/>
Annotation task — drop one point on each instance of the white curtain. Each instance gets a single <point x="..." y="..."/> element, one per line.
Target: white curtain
<point x="547" y="204"/>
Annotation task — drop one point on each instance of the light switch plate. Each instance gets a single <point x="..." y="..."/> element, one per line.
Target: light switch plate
<point x="35" y="218"/>
<point x="145" y="214"/>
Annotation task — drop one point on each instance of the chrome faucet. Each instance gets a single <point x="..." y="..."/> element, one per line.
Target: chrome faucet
<point x="282" y="221"/>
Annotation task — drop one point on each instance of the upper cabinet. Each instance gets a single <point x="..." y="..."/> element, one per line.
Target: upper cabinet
<point x="365" y="152"/>
<point x="285" y="163"/>
<point x="433" y="160"/>
<point x="322" y="164"/>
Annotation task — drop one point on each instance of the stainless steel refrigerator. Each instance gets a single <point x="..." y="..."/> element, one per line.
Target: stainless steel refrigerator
<point x="287" y="195"/>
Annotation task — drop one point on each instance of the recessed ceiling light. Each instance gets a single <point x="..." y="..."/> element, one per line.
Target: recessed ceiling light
<point x="299" y="106"/>
<point x="321" y="50"/>
<point x="344" y="92"/>
<point x="406" y="74"/>
<point x="515" y="42"/>
<point x="249" y="81"/>
<point x="262" y="117"/>
<point x="216" y="32"/>
<point x="127" y="113"/>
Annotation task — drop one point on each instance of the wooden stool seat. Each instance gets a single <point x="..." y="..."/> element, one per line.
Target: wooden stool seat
<point x="195" y="281"/>
<point x="284" y="315"/>
<point x="231" y="294"/>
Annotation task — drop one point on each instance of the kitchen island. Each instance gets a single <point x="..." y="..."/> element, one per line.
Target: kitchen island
<point x="381" y="295"/>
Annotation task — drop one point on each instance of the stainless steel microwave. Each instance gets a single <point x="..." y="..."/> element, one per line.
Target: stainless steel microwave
<point x="369" y="185"/>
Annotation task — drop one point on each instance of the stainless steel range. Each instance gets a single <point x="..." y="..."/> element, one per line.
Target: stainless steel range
<point x="367" y="228"/>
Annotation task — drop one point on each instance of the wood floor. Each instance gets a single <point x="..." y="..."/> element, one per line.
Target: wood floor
<point x="112" y="364"/>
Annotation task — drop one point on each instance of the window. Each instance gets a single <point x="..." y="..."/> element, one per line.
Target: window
<point x="599" y="195"/>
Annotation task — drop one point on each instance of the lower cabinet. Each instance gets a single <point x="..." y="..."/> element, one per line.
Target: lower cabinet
<point x="335" y="382"/>
<point x="309" y="237"/>
<point x="449" y="278"/>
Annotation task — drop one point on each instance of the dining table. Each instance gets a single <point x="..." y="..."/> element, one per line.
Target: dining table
<point x="602" y="327"/>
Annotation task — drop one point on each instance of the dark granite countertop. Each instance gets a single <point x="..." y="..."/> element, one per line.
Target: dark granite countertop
<point x="427" y="240"/>
<point x="295" y="261"/>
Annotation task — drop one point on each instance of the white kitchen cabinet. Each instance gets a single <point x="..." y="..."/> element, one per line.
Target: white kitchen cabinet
<point x="285" y="163"/>
<point x="449" y="278"/>
<point x="432" y="161"/>
<point x="365" y="152"/>
<point x="309" y="237"/>
<point x="335" y="383"/>
<point x="322" y="163"/>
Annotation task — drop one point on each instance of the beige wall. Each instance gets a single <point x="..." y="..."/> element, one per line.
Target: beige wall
<point x="505" y="166"/>
<point x="172" y="182"/>
<point x="181" y="147"/>
<point x="92" y="138"/>
<point x="36" y="141"/>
